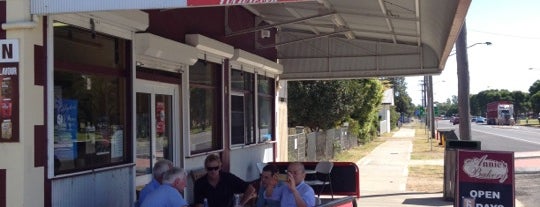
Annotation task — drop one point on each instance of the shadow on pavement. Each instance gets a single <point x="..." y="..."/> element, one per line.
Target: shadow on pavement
<point x="433" y="201"/>
<point x="398" y="194"/>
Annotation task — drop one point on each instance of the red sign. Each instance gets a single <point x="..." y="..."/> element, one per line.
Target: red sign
<point x="192" y="3"/>
<point x="484" y="178"/>
<point x="160" y="117"/>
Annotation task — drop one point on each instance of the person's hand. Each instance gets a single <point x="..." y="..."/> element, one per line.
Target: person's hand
<point x="248" y="197"/>
<point x="290" y="181"/>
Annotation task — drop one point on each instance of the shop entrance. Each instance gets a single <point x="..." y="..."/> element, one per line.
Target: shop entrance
<point x="157" y="126"/>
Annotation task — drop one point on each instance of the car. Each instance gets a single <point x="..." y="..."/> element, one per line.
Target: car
<point x="473" y="119"/>
<point x="455" y="120"/>
<point x="480" y="119"/>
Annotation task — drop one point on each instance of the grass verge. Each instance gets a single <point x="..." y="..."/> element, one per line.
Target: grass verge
<point x="356" y="153"/>
<point x="425" y="172"/>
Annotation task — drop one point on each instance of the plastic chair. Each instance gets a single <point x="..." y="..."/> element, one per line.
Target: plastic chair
<point x="323" y="177"/>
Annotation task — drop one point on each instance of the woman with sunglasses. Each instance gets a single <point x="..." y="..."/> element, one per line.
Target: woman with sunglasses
<point x="219" y="187"/>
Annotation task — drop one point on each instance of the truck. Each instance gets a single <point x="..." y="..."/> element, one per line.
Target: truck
<point x="500" y="113"/>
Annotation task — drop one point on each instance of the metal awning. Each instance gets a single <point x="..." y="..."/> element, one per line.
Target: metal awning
<point x="343" y="39"/>
<point x="332" y="39"/>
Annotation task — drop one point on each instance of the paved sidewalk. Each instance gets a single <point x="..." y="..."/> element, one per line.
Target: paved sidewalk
<point x="384" y="172"/>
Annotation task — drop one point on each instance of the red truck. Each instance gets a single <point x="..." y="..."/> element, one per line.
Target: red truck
<point x="500" y="113"/>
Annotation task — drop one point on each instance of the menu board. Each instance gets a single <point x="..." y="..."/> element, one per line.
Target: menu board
<point x="9" y="96"/>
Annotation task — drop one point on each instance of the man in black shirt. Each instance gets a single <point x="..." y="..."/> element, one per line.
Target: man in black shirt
<point x="219" y="187"/>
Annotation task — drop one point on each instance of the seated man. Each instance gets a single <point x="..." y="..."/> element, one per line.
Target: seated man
<point x="269" y="181"/>
<point x="219" y="187"/>
<point x="296" y="193"/>
<point x="158" y="171"/>
<point x="168" y="194"/>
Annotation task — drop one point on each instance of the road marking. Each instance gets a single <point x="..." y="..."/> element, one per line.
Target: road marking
<point x="515" y="138"/>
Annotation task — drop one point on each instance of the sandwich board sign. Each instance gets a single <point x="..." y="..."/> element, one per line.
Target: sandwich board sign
<point x="485" y="179"/>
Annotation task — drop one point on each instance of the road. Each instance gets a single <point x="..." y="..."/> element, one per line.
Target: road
<point x="509" y="138"/>
<point x="501" y="138"/>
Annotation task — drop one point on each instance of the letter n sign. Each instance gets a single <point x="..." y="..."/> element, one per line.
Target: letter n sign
<point x="9" y="51"/>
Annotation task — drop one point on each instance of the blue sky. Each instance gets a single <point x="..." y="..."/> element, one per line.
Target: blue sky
<point x="513" y="28"/>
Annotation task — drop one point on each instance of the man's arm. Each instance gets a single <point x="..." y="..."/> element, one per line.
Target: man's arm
<point x="249" y="194"/>
<point x="298" y="198"/>
<point x="198" y="194"/>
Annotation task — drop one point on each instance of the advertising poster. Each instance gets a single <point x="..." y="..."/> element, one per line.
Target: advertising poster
<point x="65" y="128"/>
<point x="9" y="106"/>
<point x="160" y="117"/>
<point x="485" y="178"/>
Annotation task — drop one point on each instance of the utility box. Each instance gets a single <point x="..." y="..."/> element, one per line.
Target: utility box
<point x="450" y="162"/>
<point x="445" y="135"/>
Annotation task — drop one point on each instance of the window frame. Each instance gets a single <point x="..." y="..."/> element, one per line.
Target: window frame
<point x="217" y="120"/>
<point x="270" y="96"/>
<point x="246" y="91"/>
<point x="123" y="73"/>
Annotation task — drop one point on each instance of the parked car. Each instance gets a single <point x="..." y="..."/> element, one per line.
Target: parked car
<point x="473" y="119"/>
<point x="480" y="119"/>
<point x="455" y="120"/>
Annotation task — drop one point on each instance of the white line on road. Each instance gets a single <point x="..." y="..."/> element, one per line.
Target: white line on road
<point x="514" y="138"/>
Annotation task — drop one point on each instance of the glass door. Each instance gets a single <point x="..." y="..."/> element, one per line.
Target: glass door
<point x="157" y="126"/>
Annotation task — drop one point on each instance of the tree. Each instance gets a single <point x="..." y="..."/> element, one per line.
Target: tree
<point x="368" y="104"/>
<point x="519" y="99"/>
<point x="319" y="104"/>
<point x="534" y="100"/>
<point x="327" y="104"/>
<point x="402" y="100"/>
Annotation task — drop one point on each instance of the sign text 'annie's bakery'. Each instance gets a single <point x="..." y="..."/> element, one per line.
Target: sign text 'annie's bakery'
<point x="485" y="179"/>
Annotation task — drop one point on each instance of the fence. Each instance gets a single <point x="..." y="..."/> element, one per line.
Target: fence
<point x="321" y="145"/>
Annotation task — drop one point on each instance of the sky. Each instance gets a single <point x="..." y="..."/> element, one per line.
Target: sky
<point x="513" y="28"/>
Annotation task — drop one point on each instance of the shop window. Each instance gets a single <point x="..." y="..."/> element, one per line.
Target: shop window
<point x="265" y="89"/>
<point x="242" y="104"/>
<point x="205" y="107"/>
<point x="90" y="105"/>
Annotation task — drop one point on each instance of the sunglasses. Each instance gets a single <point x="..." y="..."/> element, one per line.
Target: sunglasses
<point x="212" y="168"/>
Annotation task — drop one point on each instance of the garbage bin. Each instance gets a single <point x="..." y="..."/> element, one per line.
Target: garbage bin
<point x="450" y="163"/>
<point x="446" y="134"/>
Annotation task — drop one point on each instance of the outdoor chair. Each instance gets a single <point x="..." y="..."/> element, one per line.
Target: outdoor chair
<point x="323" y="171"/>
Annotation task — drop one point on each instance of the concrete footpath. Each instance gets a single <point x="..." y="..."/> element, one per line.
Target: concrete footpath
<point x="384" y="172"/>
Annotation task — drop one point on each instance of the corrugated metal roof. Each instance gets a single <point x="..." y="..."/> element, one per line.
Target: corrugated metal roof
<point x="339" y="39"/>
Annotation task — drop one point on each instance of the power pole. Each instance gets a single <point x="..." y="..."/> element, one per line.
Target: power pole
<point x="463" y="85"/>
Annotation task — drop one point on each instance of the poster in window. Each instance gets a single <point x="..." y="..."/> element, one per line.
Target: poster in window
<point x="8" y="102"/>
<point x="117" y="142"/>
<point x="160" y="117"/>
<point x="65" y="128"/>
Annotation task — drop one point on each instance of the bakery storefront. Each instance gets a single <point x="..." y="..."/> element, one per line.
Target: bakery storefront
<point x="104" y="95"/>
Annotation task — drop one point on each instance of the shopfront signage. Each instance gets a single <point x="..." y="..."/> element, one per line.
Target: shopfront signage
<point x="9" y="51"/>
<point x="485" y="178"/>
<point x="42" y="7"/>
<point x="234" y="2"/>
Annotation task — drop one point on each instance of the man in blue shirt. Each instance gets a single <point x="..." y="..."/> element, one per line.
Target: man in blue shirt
<point x="158" y="171"/>
<point x="296" y="193"/>
<point x="269" y="181"/>
<point x="168" y="194"/>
